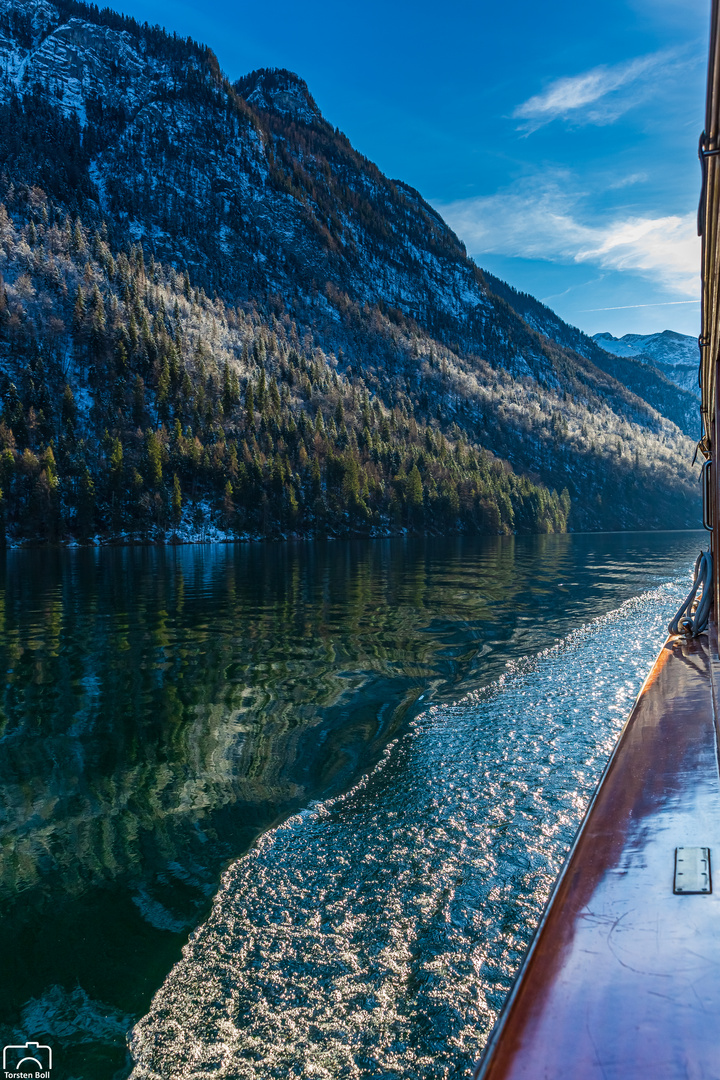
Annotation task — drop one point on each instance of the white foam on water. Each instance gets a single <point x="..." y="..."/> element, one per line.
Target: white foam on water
<point x="72" y="1016"/>
<point x="376" y="935"/>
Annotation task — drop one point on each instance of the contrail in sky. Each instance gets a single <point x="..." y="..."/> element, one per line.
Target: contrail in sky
<point x="626" y="307"/>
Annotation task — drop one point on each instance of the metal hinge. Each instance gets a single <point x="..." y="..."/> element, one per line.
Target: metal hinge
<point x="692" y="870"/>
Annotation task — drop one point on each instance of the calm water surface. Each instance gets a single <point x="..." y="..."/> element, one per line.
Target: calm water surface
<point x="164" y="708"/>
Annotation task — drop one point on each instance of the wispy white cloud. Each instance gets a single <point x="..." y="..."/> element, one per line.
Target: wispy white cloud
<point x="628" y="181"/>
<point x="598" y="96"/>
<point x="538" y="219"/>
<point x="664" y="248"/>
<point x="571" y="289"/>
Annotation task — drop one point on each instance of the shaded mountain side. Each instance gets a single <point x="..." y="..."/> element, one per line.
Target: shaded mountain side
<point x="175" y="246"/>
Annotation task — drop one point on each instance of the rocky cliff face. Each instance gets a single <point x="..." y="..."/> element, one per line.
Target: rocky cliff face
<point x="280" y="91"/>
<point x="246" y="193"/>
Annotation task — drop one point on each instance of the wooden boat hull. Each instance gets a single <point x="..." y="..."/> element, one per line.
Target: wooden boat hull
<point x="623" y="978"/>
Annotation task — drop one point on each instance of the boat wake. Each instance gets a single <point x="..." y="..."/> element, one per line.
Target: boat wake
<point x="377" y="934"/>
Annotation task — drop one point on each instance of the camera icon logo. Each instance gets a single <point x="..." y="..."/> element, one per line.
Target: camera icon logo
<point x="31" y="1060"/>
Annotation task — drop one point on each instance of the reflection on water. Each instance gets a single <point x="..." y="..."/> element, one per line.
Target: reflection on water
<point x="164" y="707"/>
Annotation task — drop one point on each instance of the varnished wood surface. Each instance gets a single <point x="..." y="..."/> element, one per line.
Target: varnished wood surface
<point x="623" y="979"/>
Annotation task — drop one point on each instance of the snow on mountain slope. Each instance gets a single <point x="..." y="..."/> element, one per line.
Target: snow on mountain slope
<point x="280" y="90"/>
<point x="639" y="372"/>
<point x="187" y="162"/>
<point x="251" y="190"/>
<point x="245" y="191"/>
<point x="675" y="355"/>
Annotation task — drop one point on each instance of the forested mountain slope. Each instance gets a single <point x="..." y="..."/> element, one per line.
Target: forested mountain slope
<point x="662" y="382"/>
<point x="217" y="315"/>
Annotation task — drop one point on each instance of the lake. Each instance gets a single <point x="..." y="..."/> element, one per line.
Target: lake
<point x="356" y="767"/>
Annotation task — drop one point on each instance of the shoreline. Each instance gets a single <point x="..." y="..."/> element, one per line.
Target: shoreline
<point x="218" y="538"/>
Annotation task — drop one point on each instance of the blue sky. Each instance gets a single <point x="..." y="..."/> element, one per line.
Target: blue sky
<point x="558" y="139"/>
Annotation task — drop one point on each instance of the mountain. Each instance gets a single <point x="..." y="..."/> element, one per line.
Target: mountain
<point x="650" y="374"/>
<point x="676" y="356"/>
<point x="217" y="318"/>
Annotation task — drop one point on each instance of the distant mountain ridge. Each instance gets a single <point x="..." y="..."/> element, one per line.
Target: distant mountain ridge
<point x="675" y="355"/>
<point x="167" y="230"/>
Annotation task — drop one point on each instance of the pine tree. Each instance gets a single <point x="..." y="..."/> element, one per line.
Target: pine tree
<point x="230" y="394"/>
<point x="138" y="411"/>
<point x="249" y="406"/>
<point x="228" y="504"/>
<point x="153" y="453"/>
<point x="176" y="500"/>
<point x="163" y="391"/>
<point x="116" y="464"/>
<point x="414" y="489"/>
<point x="79" y="312"/>
<point x="78" y="246"/>
<point x="262" y="393"/>
<point x="97" y="317"/>
<point x="86" y="504"/>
